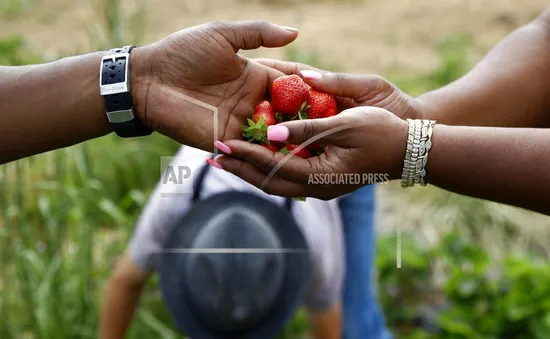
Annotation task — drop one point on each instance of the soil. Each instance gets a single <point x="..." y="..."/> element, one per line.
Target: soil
<point x="359" y="36"/>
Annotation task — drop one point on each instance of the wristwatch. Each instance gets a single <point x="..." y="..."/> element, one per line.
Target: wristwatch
<point x="114" y="84"/>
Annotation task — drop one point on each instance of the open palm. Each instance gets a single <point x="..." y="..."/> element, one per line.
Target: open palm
<point x="195" y="72"/>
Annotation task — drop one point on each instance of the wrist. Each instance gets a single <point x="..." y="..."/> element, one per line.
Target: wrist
<point x="427" y="108"/>
<point x="399" y="147"/>
<point x="141" y="65"/>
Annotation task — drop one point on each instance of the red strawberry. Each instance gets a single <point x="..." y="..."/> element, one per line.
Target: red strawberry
<point x="322" y="105"/>
<point x="289" y="94"/>
<point x="264" y="115"/>
<point x="266" y="111"/>
<point x="315" y="147"/>
<point x="277" y="144"/>
<point x="270" y="147"/>
<point x="303" y="153"/>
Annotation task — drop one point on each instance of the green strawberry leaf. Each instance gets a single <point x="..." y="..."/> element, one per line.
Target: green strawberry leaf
<point x="256" y="132"/>
<point x="300" y="198"/>
<point x="284" y="150"/>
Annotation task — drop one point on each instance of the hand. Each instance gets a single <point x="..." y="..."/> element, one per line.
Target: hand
<point x="361" y="141"/>
<point x="353" y="90"/>
<point x="178" y="81"/>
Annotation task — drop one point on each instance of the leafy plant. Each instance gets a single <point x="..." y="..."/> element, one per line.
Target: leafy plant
<point x="117" y="26"/>
<point x="481" y="299"/>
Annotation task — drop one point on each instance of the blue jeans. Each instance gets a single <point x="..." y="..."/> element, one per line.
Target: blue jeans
<point x="363" y="318"/>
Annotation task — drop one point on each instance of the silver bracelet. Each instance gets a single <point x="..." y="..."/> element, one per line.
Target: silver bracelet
<point x="419" y="143"/>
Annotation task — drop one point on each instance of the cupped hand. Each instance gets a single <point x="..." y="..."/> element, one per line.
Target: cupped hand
<point x="179" y="82"/>
<point x="353" y="90"/>
<point x="364" y="143"/>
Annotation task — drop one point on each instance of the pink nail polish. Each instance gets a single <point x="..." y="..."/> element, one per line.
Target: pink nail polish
<point x="222" y="147"/>
<point x="313" y="75"/>
<point x="213" y="163"/>
<point x="277" y="133"/>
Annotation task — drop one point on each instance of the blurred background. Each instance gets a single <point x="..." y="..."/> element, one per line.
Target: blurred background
<point x="470" y="269"/>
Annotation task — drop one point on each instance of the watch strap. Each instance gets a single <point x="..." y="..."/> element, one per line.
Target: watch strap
<point x="118" y="101"/>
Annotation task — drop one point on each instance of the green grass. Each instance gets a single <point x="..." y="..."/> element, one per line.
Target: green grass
<point x="11" y="8"/>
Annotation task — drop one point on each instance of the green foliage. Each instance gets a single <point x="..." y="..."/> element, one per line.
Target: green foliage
<point x="454" y="62"/>
<point x="453" y="52"/>
<point x="482" y="299"/>
<point x="12" y="52"/>
<point x="14" y="7"/>
<point x="66" y="216"/>
<point x="117" y="25"/>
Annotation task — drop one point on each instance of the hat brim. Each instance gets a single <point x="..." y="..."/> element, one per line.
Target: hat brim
<point x="293" y="287"/>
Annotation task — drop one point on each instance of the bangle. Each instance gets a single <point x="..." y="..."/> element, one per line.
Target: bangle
<point x="419" y="143"/>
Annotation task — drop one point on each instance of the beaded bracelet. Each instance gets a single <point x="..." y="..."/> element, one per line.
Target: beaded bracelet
<point x="419" y="143"/>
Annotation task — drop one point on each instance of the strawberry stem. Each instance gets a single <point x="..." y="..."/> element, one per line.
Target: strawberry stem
<point x="255" y="132"/>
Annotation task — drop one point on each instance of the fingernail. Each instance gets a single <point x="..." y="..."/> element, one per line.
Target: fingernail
<point x="222" y="147"/>
<point x="290" y="29"/>
<point x="277" y="133"/>
<point x="309" y="74"/>
<point x="213" y="163"/>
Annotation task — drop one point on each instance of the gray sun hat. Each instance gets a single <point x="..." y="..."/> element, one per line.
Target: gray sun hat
<point x="236" y="267"/>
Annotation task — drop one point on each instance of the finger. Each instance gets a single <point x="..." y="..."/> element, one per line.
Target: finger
<point x="289" y="167"/>
<point x="312" y="73"/>
<point x="348" y="85"/>
<point x="287" y="67"/>
<point x="255" y="177"/>
<point x="253" y="34"/>
<point x="306" y="132"/>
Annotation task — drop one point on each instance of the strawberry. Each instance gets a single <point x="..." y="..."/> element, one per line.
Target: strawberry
<point x="316" y="149"/>
<point x="271" y="147"/>
<point x="277" y="144"/>
<point x="265" y="110"/>
<point x="303" y="153"/>
<point x="264" y="115"/>
<point x="289" y="95"/>
<point x="322" y="105"/>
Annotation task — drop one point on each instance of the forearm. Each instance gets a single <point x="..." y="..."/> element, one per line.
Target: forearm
<point x="510" y="87"/>
<point x="50" y="106"/>
<point x="326" y="324"/>
<point x="118" y="309"/>
<point x="507" y="165"/>
<point x="121" y="299"/>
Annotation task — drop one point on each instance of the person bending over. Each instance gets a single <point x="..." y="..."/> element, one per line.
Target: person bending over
<point x="233" y="261"/>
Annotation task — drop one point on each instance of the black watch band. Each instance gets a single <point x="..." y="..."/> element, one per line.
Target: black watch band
<point x="114" y="85"/>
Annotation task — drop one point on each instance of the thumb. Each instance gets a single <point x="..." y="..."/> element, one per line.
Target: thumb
<point x="253" y="34"/>
<point x="309" y="131"/>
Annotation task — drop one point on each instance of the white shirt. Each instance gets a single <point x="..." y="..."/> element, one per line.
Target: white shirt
<point x="319" y="220"/>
